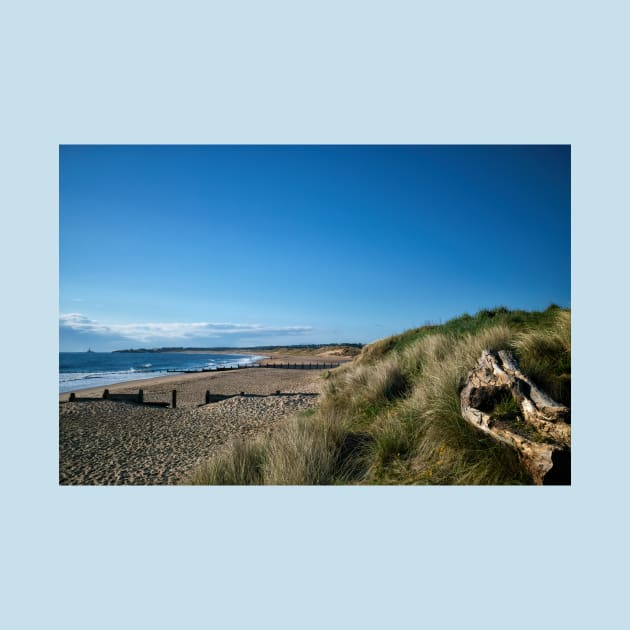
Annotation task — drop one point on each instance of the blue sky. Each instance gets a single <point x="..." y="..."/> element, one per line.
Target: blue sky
<point x="254" y="245"/>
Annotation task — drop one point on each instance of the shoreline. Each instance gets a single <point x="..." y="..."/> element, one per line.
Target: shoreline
<point x="144" y="383"/>
<point x="268" y="358"/>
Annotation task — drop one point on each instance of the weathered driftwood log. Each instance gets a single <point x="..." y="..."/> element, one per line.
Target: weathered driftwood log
<point x="541" y="433"/>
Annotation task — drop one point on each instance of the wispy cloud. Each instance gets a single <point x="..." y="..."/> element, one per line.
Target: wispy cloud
<point x="172" y="330"/>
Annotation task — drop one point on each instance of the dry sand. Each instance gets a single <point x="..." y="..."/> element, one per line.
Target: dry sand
<point x="109" y="442"/>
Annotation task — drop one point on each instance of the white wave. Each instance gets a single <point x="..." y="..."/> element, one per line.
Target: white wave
<point x="250" y="360"/>
<point x="70" y="382"/>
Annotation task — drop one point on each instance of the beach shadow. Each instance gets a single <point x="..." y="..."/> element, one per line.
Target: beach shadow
<point x="132" y="399"/>
<point x="129" y="399"/>
<point x="213" y="398"/>
<point x="126" y="398"/>
<point x="276" y="394"/>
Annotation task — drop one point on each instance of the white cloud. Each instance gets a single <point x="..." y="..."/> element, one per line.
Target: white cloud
<point x="176" y="330"/>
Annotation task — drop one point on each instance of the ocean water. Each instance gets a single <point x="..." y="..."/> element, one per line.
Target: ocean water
<point x="79" y="370"/>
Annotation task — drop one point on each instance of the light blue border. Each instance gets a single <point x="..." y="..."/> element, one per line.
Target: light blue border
<point x="279" y="72"/>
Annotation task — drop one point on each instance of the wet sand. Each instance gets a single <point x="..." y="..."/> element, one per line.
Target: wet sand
<point x="118" y="441"/>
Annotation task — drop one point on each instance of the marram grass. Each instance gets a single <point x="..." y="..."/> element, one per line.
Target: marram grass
<point x="392" y="416"/>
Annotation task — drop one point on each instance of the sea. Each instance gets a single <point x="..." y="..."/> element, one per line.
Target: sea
<point x="80" y="370"/>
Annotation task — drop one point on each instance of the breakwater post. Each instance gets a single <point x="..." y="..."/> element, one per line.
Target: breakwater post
<point x="174" y="399"/>
<point x="105" y="394"/>
<point x="140" y="396"/>
<point x="207" y="396"/>
<point x="72" y="397"/>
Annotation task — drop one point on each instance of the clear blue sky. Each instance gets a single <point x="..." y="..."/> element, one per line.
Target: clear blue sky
<point x="253" y="245"/>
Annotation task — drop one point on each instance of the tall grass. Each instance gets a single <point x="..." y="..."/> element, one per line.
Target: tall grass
<point x="240" y="463"/>
<point x="303" y="451"/>
<point x="393" y="415"/>
<point x="545" y="356"/>
<point x="447" y="449"/>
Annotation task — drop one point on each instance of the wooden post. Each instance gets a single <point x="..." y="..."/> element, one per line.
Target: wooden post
<point x="105" y="393"/>
<point x="207" y="396"/>
<point x="72" y="397"/>
<point x="242" y="393"/>
<point x="277" y="392"/>
<point x="174" y="399"/>
<point x="140" y="396"/>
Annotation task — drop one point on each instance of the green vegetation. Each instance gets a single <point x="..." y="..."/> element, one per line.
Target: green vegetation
<point x="392" y="416"/>
<point x="507" y="413"/>
<point x="506" y="410"/>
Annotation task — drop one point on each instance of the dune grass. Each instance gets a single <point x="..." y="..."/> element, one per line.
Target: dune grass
<point x="392" y="416"/>
<point x="241" y="464"/>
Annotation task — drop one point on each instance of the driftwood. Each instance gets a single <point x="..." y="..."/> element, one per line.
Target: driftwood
<point x="540" y="433"/>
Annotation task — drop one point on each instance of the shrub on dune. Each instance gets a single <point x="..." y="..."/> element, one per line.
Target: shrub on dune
<point x="393" y="415"/>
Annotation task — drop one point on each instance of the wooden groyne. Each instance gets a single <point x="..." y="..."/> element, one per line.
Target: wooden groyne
<point x="138" y="399"/>
<point x="302" y="366"/>
<point x="284" y="366"/>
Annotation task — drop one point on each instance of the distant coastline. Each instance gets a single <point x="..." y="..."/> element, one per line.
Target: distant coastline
<point x="339" y="349"/>
<point x="83" y="370"/>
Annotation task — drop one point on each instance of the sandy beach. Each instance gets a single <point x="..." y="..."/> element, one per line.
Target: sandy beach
<point x="117" y="441"/>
